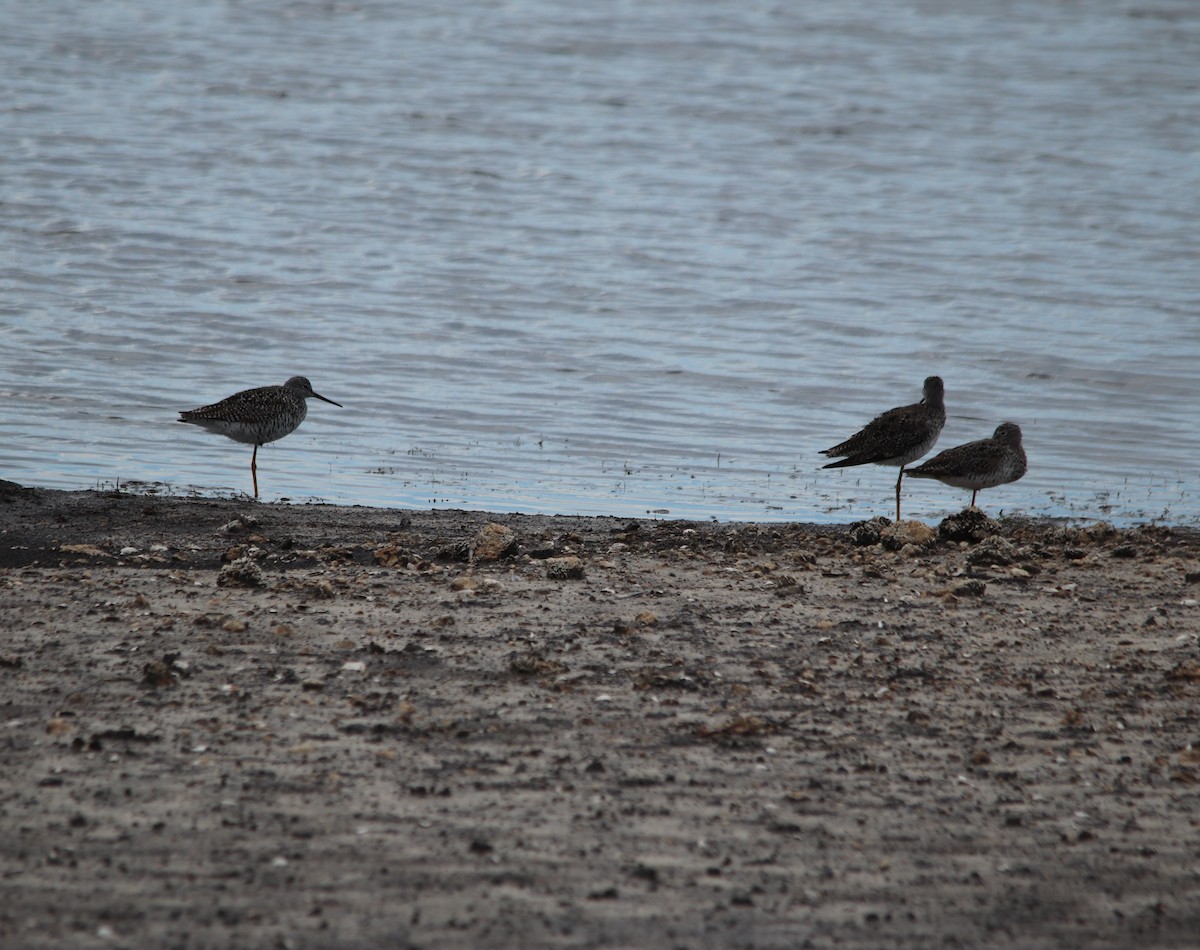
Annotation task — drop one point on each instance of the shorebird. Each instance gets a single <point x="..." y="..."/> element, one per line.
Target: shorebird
<point x="896" y="437"/>
<point x="978" y="465"/>
<point x="257" y="416"/>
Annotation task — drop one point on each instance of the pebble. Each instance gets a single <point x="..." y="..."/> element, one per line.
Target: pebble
<point x="969" y="588"/>
<point x="492" y="542"/>
<point x="241" y="573"/>
<point x="993" y="551"/>
<point x="970" y="526"/>
<point x="907" y="536"/>
<point x="564" y="568"/>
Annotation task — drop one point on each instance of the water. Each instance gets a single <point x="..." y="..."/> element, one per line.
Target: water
<point x="604" y="258"/>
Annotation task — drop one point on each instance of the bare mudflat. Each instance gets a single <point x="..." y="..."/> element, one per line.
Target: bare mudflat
<point x="238" y="725"/>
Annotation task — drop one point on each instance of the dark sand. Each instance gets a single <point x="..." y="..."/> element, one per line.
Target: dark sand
<point x="718" y="736"/>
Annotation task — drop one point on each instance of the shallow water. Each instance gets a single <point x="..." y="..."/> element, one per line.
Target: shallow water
<point x="620" y="259"/>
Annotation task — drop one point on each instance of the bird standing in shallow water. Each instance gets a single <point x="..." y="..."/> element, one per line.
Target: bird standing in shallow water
<point x="896" y="437"/>
<point x="978" y="465"/>
<point x="257" y="416"/>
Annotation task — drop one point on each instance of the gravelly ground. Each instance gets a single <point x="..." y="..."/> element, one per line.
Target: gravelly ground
<point x="235" y="725"/>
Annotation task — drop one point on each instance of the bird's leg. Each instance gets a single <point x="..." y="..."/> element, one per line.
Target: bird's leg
<point x="899" y="479"/>
<point x="254" y="471"/>
<point x="973" y="494"/>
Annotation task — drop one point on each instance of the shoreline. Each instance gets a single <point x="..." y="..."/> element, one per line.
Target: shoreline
<point x="241" y="724"/>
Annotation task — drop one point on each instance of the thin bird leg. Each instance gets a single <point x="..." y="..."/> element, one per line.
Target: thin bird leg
<point x="973" y="494"/>
<point x="254" y="471"/>
<point x="898" y="481"/>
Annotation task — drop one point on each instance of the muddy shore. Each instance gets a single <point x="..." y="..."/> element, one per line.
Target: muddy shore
<point x="238" y="725"/>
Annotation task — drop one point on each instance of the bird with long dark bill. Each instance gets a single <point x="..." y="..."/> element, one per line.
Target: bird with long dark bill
<point x="258" y="416"/>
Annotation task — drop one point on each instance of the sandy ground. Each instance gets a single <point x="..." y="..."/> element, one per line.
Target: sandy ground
<point x="235" y="725"/>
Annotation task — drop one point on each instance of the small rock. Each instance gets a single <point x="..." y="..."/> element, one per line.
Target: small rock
<point x="533" y="663"/>
<point x="993" y="552"/>
<point x="1187" y="670"/>
<point x="456" y="551"/>
<point x="238" y="525"/>
<point x="492" y="542"/>
<point x="241" y="573"/>
<point x="564" y="568"/>
<point x="1096" y="533"/>
<point x="898" y="536"/>
<point x="391" y="555"/>
<point x="864" y="533"/>
<point x="969" y="588"/>
<point x="319" y="589"/>
<point x="158" y="673"/>
<point x="970" y="525"/>
<point x="59" y="726"/>
<point x="87" y="549"/>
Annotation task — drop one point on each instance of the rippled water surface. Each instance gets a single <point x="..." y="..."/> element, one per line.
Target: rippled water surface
<point x="604" y="258"/>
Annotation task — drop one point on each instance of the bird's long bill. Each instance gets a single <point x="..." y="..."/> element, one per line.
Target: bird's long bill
<point x="330" y="401"/>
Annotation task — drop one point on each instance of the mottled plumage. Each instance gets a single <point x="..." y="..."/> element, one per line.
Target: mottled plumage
<point x="896" y="437"/>
<point x="257" y="416"/>
<point x="978" y="465"/>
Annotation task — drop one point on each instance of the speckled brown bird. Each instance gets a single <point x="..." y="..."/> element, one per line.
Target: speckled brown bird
<point x="979" y="465"/>
<point x="258" y="416"/>
<point x="896" y="437"/>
